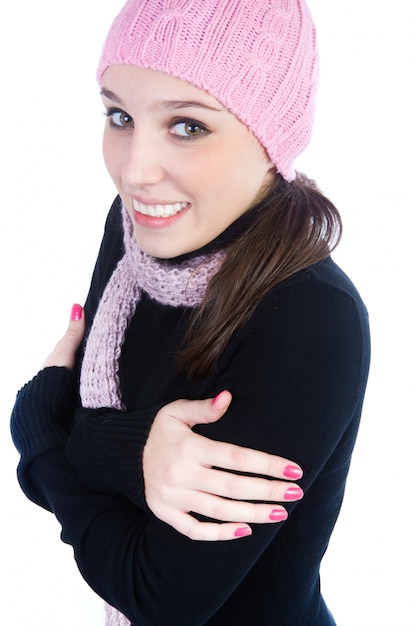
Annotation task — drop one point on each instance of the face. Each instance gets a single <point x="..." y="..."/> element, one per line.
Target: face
<point x="184" y="166"/>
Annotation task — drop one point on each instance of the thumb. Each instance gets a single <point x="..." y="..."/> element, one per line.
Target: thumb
<point x="192" y="412"/>
<point x="64" y="353"/>
<point x="76" y="328"/>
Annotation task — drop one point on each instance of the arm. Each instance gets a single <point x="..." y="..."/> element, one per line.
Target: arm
<point x="306" y="394"/>
<point x="182" y="470"/>
<point x="110" y="536"/>
<point x="106" y="447"/>
<point x="191" y="463"/>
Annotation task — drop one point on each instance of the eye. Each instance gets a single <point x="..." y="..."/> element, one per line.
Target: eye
<point x="188" y="129"/>
<point x="120" y="119"/>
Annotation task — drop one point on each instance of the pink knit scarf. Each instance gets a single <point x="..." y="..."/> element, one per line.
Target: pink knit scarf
<point x="182" y="284"/>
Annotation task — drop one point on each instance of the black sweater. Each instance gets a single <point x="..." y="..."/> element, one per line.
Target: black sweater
<point x="297" y="371"/>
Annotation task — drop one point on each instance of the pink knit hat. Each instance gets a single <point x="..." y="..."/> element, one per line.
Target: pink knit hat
<point x="257" y="57"/>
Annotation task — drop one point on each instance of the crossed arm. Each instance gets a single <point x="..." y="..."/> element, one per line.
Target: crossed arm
<point x="182" y="469"/>
<point x="142" y="565"/>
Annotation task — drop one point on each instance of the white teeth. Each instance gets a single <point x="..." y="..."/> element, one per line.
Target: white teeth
<point x="159" y="210"/>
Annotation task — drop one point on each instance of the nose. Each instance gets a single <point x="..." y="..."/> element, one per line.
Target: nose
<point x="143" y="164"/>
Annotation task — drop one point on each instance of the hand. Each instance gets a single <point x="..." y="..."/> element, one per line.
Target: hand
<point x="180" y="475"/>
<point x="64" y="352"/>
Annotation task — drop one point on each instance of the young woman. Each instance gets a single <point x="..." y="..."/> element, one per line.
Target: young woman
<point x="218" y="392"/>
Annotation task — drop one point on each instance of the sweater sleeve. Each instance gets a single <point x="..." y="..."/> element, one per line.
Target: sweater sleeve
<point x="41" y="421"/>
<point x="105" y="448"/>
<point x="42" y="417"/>
<point x="297" y="373"/>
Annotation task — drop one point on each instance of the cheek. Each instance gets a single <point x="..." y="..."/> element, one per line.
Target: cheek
<point x="209" y="171"/>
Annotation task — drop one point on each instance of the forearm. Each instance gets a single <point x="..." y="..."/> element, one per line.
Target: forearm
<point x="41" y="420"/>
<point x="135" y="562"/>
<point x="106" y="448"/>
<point x="155" y="575"/>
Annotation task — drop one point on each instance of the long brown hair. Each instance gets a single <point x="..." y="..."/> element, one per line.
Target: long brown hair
<point x="295" y="226"/>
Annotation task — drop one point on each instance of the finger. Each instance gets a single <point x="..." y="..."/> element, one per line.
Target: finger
<point x="64" y="352"/>
<point x="235" y="487"/>
<point x="224" y="510"/>
<point x="207" y="531"/>
<point x="192" y="412"/>
<point x="238" y="459"/>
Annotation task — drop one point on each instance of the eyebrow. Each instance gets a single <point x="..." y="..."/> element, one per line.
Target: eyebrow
<point x="164" y="105"/>
<point x="106" y="93"/>
<point x="171" y="105"/>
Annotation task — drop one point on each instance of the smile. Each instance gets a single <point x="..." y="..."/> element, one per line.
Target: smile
<point x="159" y="210"/>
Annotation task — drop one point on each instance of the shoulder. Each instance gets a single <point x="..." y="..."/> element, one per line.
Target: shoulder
<point x="321" y="290"/>
<point x="301" y="362"/>
<point x="315" y="316"/>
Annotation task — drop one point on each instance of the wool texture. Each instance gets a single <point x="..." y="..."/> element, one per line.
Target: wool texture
<point x="258" y="59"/>
<point x="114" y="617"/>
<point x="182" y="284"/>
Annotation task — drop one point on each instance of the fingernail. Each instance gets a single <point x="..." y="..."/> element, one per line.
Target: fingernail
<point x="278" y="515"/>
<point x="243" y="532"/>
<point x="293" y="471"/>
<point x="214" y="400"/>
<point x="76" y="312"/>
<point x="293" y="493"/>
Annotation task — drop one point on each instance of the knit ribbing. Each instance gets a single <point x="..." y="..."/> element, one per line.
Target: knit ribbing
<point x="44" y="398"/>
<point x="175" y="285"/>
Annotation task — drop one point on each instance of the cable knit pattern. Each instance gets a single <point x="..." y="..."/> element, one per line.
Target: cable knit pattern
<point x="176" y="285"/>
<point x="259" y="59"/>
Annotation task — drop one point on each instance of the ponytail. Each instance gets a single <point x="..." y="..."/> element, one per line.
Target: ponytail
<point x="295" y="227"/>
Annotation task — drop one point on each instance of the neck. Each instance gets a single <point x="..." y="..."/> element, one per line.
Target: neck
<point x="221" y="242"/>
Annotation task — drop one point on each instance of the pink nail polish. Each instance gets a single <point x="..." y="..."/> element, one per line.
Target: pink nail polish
<point x="243" y="532"/>
<point x="278" y="515"/>
<point x="293" y="493"/>
<point x="214" y="400"/>
<point x="293" y="471"/>
<point x="76" y="312"/>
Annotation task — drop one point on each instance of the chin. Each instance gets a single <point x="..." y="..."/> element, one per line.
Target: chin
<point x="159" y="250"/>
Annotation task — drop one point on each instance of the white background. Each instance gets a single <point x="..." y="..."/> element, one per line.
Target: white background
<point x="55" y="195"/>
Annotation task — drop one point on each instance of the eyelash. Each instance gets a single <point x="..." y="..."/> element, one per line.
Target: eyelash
<point x="110" y="113"/>
<point x="189" y="122"/>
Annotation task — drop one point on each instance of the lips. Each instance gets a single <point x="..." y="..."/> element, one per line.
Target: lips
<point x="159" y="210"/>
